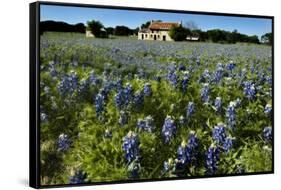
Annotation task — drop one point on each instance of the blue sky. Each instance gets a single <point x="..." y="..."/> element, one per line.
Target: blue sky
<point x="133" y="19"/>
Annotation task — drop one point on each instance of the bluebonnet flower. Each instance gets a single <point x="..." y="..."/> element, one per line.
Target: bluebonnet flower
<point x="206" y="74"/>
<point x="218" y="74"/>
<point x="134" y="169"/>
<point x="212" y="159"/>
<point x="146" y="124"/>
<point x="173" y="78"/>
<point x="230" y="66"/>
<point x="218" y="104"/>
<point x="64" y="86"/>
<point x="123" y="119"/>
<point x="268" y="79"/>
<point x="187" y="152"/>
<point x="182" y="67"/>
<point x="219" y="133"/>
<point x="185" y="81"/>
<point x="128" y="93"/>
<point x="119" y="85"/>
<point x="78" y="177"/>
<point x="147" y="89"/>
<point x="131" y="147"/>
<point x="68" y="84"/>
<point x="119" y="99"/>
<point x="73" y="81"/>
<point x="268" y="109"/>
<point x="141" y="124"/>
<point x="249" y="90"/>
<point x="99" y="104"/>
<point x="228" y="143"/>
<point x="192" y="142"/>
<point x="231" y="114"/>
<point x="138" y="99"/>
<point x="267" y="134"/>
<point x="205" y="93"/>
<point x="190" y="109"/>
<point x="63" y="142"/>
<point x="168" y="129"/>
<point x="43" y="117"/>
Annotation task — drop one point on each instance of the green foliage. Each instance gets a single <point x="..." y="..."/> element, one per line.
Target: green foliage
<point x="102" y="158"/>
<point x="179" y="33"/>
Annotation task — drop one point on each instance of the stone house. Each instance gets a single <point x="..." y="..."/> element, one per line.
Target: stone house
<point x="157" y="31"/>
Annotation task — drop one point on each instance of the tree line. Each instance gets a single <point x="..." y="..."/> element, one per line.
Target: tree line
<point x="178" y="33"/>
<point x="215" y="35"/>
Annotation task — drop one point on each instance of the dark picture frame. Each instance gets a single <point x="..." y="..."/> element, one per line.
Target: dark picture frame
<point x="34" y="92"/>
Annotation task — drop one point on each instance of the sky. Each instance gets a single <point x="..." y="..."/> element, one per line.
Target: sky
<point x="133" y="18"/>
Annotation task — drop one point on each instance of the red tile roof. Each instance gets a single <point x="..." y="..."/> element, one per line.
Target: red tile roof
<point x="162" y="25"/>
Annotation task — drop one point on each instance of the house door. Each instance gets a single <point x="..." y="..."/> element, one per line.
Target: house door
<point x="154" y="37"/>
<point x="142" y="36"/>
<point x="164" y="38"/>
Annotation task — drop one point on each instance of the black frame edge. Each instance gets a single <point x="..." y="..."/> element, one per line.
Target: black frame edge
<point x="34" y="176"/>
<point x="34" y="153"/>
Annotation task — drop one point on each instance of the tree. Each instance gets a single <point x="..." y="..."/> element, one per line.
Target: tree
<point x="122" y="31"/>
<point x="178" y="33"/>
<point x="95" y="27"/>
<point x="109" y="30"/>
<point x="191" y="25"/>
<point x="267" y="38"/>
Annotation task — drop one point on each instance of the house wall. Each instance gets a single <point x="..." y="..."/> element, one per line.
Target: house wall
<point x="159" y="35"/>
<point x="89" y="34"/>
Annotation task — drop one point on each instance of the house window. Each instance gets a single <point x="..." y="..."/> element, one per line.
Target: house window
<point x="151" y="35"/>
<point x="145" y="35"/>
<point x="158" y="36"/>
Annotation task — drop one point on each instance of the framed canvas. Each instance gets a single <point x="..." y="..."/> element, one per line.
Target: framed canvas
<point x="123" y="94"/>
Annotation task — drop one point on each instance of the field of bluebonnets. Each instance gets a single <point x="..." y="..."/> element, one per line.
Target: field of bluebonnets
<point x="122" y="109"/>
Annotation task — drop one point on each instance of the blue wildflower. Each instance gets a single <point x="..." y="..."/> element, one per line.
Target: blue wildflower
<point x="268" y="109"/>
<point x="190" y="109"/>
<point x="212" y="159"/>
<point x="228" y="143"/>
<point x="119" y="99"/>
<point x="249" y="90"/>
<point x="128" y="93"/>
<point x="267" y="134"/>
<point x="63" y="142"/>
<point x="231" y="114"/>
<point x="219" y="133"/>
<point x="218" y="104"/>
<point x="230" y="66"/>
<point x="168" y="129"/>
<point x="78" y="177"/>
<point x="43" y="117"/>
<point x="99" y="104"/>
<point x="185" y="81"/>
<point x="205" y="93"/>
<point x="131" y="147"/>
<point x="147" y="89"/>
